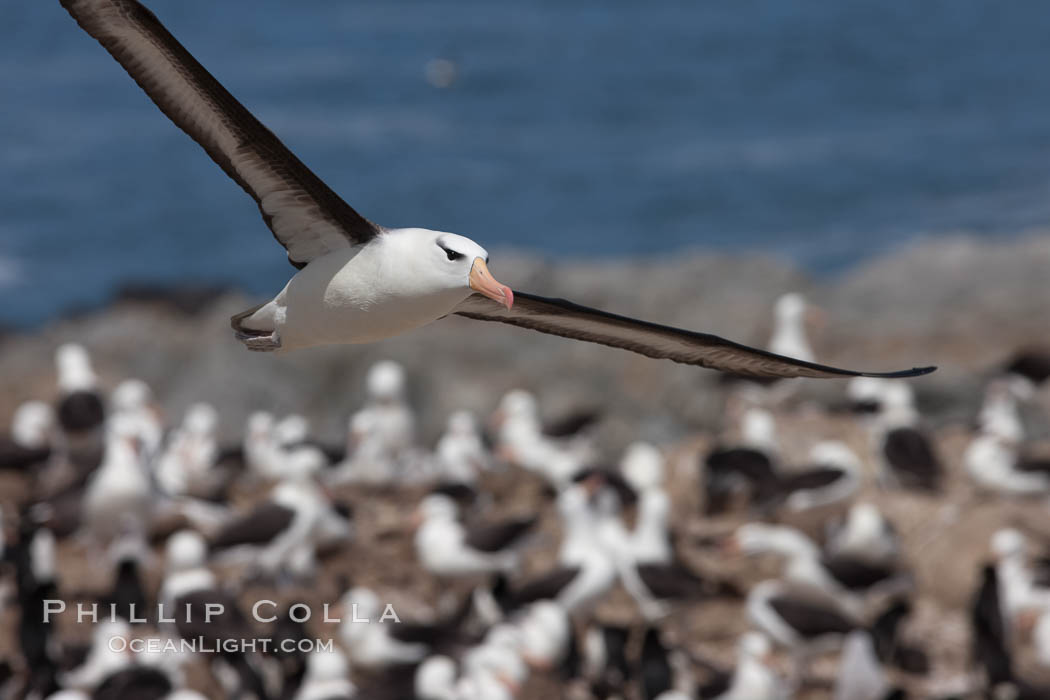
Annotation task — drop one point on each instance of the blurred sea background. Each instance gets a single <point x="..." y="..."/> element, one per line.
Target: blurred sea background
<point x="823" y="133"/>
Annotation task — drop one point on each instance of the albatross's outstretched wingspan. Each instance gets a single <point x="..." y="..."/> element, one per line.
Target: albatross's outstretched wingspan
<point x="307" y="217"/>
<point x="341" y="298"/>
<point x="569" y="320"/>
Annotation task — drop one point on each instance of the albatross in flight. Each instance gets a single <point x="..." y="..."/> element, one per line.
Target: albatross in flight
<point x="359" y="282"/>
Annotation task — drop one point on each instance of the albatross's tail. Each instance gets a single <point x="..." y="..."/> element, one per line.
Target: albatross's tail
<point x="255" y="328"/>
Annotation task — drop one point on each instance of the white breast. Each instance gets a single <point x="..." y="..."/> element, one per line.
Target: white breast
<point x="359" y="295"/>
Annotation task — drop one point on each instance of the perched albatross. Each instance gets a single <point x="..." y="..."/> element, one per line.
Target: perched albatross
<point x="359" y="282"/>
<point x="448" y="548"/>
<point x="80" y="408"/>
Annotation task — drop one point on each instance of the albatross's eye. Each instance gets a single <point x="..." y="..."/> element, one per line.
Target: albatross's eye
<point x="452" y="255"/>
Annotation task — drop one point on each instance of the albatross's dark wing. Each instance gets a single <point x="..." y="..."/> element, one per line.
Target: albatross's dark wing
<point x="911" y="455"/>
<point x="811" y="619"/>
<point x="265" y="522"/>
<point x="545" y="586"/>
<point x="854" y="573"/>
<point x="495" y="537"/>
<point x="306" y="216"/>
<point x="569" y="320"/>
<point x="675" y="581"/>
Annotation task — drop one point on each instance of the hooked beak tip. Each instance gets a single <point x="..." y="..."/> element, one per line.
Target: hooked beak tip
<point x="482" y="281"/>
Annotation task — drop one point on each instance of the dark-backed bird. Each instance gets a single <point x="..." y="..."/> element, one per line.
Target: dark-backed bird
<point x="281" y="535"/>
<point x="655" y="674"/>
<point x="359" y="282"/>
<point x="754" y="677"/>
<point x="80" y="407"/>
<point x="203" y="611"/>
<point x="998" y="466"/>
<point x="605" y="661"/>
<point x="511" y="596"/>
<point x="521" y="440"/>
<point x="845" y="577"/>
<point x="33" y="555"/>
<point x="447" y="547"/>
<point x="1000" y="414"/>
<point x="649" y="558"/>
<point x="519" y="407"/>
<point x="910" y="455"/>
<point x="1030" y="365"/>
<point x="801" y="618"/>
<point x="998" y="459"/>
<point x="807" y="621"/>
<point x="991" y="638"/>
<point x="676" y="581"/>
<point x="832" y="475"/>
<point x="864" y="533"/>
<point x="1019" y="584"/>
<point x="907" y="455"/>
<point x="748" y="463"/>
<point x="127" y="597"/>
<point x="375" y="640"/>
<point x="103" y="658"/>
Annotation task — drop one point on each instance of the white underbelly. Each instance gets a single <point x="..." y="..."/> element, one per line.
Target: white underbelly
<point x="338" y="300"/>
<point x="346" y="323"/>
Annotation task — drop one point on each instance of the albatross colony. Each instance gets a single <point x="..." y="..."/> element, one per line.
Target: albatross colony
<point x="358" y="282"/>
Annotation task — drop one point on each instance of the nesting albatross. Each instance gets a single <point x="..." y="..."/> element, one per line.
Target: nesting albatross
<point x="359" y="282"/>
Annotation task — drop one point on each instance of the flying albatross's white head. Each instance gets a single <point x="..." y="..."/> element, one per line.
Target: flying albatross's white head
<point x="437" y="261"/>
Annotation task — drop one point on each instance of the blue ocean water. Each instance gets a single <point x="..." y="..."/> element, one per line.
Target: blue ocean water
<point x="824" y="132"/>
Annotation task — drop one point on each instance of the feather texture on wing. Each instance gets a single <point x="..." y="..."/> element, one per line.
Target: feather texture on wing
<point x="570" y="320"/>
<point x="306" y="217"/>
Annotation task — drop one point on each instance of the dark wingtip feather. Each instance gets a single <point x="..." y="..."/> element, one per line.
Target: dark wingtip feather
<point x="902" y="374"/>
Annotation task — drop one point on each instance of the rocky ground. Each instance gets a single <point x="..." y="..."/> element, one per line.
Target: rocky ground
<point x="961" y="304"/>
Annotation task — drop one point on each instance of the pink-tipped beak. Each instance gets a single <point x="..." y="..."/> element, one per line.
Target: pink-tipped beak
<point x="482" y="282"/>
